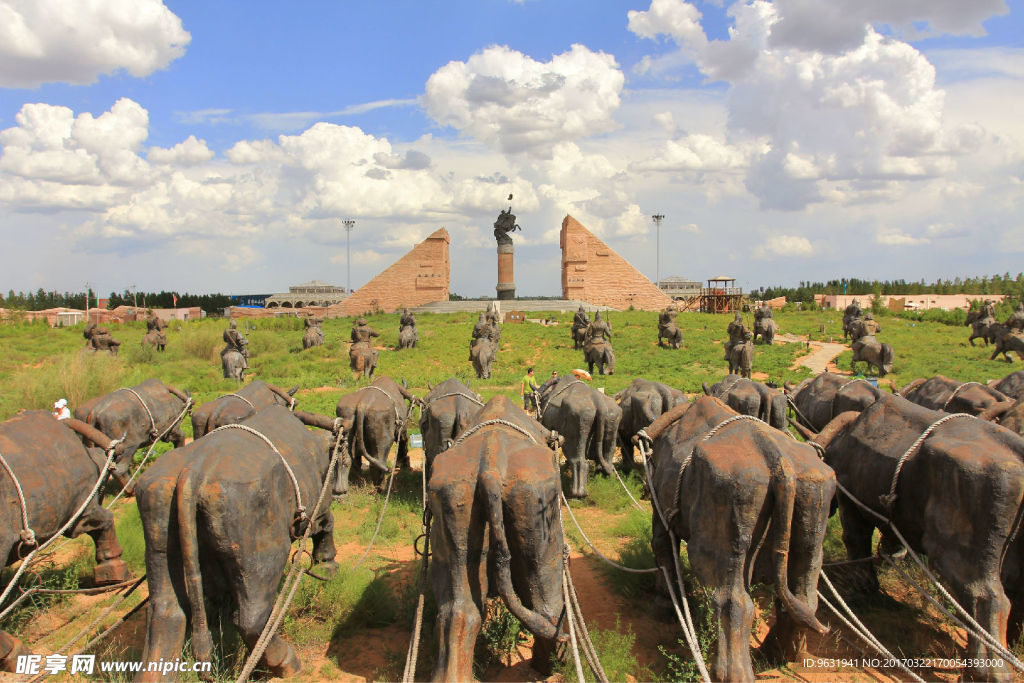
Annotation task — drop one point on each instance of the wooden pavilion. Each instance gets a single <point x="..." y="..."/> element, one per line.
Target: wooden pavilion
<point x="721" y="296"/>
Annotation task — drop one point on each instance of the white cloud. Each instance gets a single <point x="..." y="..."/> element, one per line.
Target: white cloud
<point x="44" y="41"/>
<point x="51" y="144"/>
<point x="516" y="104"/>
<point x="891" y="237"/>
<point x="831" y="117"/>
<point x="784" y="245"/>
<point x="187" y="153"/>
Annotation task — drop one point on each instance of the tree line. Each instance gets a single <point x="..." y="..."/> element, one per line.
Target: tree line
<point x="42" y="299"/>
<point x="985" y="284"/>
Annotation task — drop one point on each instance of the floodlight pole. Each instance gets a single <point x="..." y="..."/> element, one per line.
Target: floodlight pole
<point x="658" y="218"/>
<point x="349" y="224"/>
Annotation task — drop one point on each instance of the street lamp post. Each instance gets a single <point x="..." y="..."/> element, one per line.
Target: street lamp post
<point x="658" y="218"/>
<point x="349" y="224"/>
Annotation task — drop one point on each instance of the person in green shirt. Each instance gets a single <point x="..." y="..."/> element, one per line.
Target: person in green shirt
<point x="529" y="385"/>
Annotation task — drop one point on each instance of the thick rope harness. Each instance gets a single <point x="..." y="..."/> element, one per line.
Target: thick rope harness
<point x="888" y="500"/>
<point x="300" y="509"/>
<point x="241" y="398"/>
<point x="153" y="431"/>
<point x="474" y="399"/>
<point x="399" y="422"/>
<point x="28" y="536"/>
<point x="552" y="439"/>
<point x="958" y="390"/>
<point x="670" y="513"/>
<point x="555" y="395"/>
<point x="722" y="391"/>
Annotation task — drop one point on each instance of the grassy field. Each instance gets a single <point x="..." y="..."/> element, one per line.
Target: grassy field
<point x="358" y="623"/>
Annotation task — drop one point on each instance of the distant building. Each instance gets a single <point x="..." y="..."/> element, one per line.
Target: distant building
<point x="312" y="293"/>
<point x="679" y="287"/>
<point x="908" y="302"/>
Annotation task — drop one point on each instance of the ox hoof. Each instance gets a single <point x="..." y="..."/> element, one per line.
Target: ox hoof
<point x="288" y="667"/>
<point x="111" y="571"/>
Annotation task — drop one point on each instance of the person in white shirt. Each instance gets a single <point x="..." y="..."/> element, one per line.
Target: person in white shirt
<point x="60" y="409"/>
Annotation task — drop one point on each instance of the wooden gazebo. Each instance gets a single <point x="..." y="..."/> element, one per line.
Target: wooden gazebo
<point x="721" y="296"/>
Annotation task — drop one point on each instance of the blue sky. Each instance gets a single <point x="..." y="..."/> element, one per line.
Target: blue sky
<point x="216" y="146"/>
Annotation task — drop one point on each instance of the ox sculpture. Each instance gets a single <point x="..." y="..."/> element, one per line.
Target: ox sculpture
<point x="219" y="516"/>
<point x="752" y="505"/>
<point x="494" y="500"/>
<point x="60" y="481"/>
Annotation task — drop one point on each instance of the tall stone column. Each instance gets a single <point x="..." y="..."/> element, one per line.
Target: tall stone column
<point x="506" y="271"/>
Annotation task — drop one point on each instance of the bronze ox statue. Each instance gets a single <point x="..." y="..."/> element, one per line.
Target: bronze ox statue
<point x="953" y="486"/>
<point x="942" y="393"/>
<point x="494" y="500"/>
<point x="589" y="422"/>
<point x="144" y="413"/>
<point x="222" y="512"/>
<point x="752" y="504"/>
<point x="642" y="402"/>
<point x="239" y="406"/>
<point x="56" y="473"/>
<point x="447" y="411"/>
<point x="748" y="397"/>
<point x="818" y="399"/>
<point x="379" y="414"/>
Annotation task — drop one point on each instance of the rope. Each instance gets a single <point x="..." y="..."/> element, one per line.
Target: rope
<point x="860" y="629"/>
<point x="685" y="620"/>
<point x="300" y="508"/>
<point x="380" y="520"/>
<point x="138" y="470"/>
<point x="682" y="469"/>
<point x="486" y="423"/>
<point x="636" y="504"/>
<point x="725" y="389"/>
<point x="241" y="398"/>
<point x="890" y="499"/>
<point x="412" y="654"/>
<point x="974" y="628"/>
<point x="540" y="410"/>
<point x="152" y="422"/>
<point x="294" y="578"/>
<point x="474" y="399"/>
<point x="67" y="525"/>
<point x="792" y="404"/>
<point x="28" y="536"/>
<point x="957" y="391"/>
<point x="843" y="388"/>
<point x="394" y="403"/>
<point x="611" y="563"/>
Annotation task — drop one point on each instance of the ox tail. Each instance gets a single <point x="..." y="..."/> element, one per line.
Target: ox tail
<point x="188" y="534"/>
<point x="490" y="482"/>
<point x="784" y="493"/>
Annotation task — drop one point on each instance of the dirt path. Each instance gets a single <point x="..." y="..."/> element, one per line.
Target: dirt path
<point x="820" y="359"/>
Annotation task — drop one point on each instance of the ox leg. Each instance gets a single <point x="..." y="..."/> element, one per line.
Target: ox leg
<point x="459" y="603"/>
<point x="176" y="437"/>
<point x="857" y="533"/>
<point x="663" y="548"/>
<point x="254" y="575"/>
<point x="402" y="459"/>
<point x="626" y="449"/>
<point x="324" y="551"/>
<point x="535" y="542"/>
<point x="99" y="524"/>
<point x="165" y="617"/>
<point x="575" y="452"/>
<point x="605" y="445"/>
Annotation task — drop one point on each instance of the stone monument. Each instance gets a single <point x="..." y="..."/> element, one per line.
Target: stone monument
<point x="505" y="224"/>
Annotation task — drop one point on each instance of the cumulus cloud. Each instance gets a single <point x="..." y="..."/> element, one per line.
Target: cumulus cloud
<point x="44" y="41"/>
<point x="831" y="106"/>
<point x="187" y="153"/>
<point x="51" y="144"/>
<point x="517" y="104"/>
<point x="784" y="245"/>
<point x="891" y="237"/>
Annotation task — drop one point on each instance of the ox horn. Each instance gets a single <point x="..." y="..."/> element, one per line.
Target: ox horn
<point x="291" y="392"/>
<point x="429" y="388"/>
<point x="95" y="436"/>
<point x="788" y="386"/>
<point x="996" y="410"/>
<point x="706" y="388"/>
<point x="183" y="395"/>
<point x="835" y="427"/>
<point x="804" y="431"/>
<point x="315" y="420"/>
<point x="287" y="396"/>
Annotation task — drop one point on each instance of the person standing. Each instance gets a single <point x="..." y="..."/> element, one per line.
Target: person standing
<point x="527" y="389"/>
